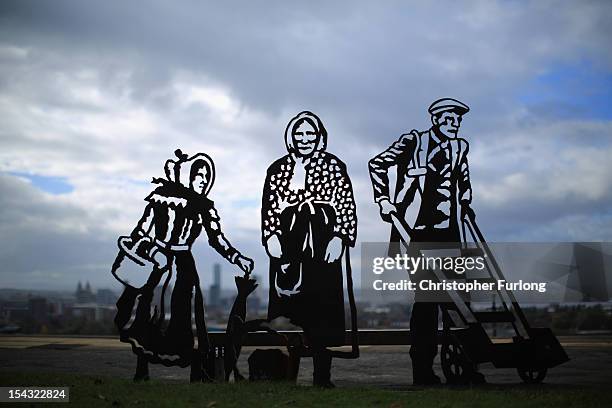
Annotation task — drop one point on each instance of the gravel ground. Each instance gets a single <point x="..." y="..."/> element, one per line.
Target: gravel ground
<point x="387" y="367"/>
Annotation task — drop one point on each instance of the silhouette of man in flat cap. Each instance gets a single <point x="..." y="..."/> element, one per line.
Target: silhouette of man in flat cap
<point x="431" y="195"/>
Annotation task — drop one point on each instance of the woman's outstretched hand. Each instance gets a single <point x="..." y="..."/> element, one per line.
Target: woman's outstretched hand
<point x="334" y="250"/>
<point x="246" y="264"/>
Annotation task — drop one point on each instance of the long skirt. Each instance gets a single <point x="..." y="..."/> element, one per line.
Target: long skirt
<point x="303" y="286"/>
<point x="142" y="322"/>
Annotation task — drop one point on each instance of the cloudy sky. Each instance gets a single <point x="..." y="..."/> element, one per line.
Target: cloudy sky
<point x="95" y="96"/>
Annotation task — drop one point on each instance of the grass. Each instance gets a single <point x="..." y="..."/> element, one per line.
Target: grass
<point x="93" y="391"/>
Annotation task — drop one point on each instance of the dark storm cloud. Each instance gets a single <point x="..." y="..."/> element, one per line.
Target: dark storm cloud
<point x="389" y="60"/>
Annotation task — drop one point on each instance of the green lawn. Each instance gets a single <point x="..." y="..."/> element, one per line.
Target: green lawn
<point x="91" y="391"/>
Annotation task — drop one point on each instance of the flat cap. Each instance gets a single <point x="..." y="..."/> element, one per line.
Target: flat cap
<point x="448" y="104"/>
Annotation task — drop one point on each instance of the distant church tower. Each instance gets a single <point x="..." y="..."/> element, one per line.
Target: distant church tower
<point x="84" y="295"/>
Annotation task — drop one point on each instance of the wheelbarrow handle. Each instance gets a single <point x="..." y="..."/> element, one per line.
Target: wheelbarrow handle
<point x="401" y="226"/>
<point x="522" y="325"/>
<point x="470" y="219"/>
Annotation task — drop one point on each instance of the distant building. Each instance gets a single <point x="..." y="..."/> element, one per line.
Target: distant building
<point x="93" y="311"/>
<point x="38" y="308"/>
<point x="215" y="288"/>
<point x="93" y="307"/>
<point x="84" y="295"/>
<point x="106" y="297"/>
<point x="14" y="310"/>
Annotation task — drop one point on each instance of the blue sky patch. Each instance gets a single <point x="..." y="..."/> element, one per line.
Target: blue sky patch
<point x="49" y="184"/>
<point x="578" y="90"/>
<point x="246" y="203"/>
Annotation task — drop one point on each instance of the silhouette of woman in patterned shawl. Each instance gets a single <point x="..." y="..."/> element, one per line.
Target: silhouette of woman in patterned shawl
<point x="308" y="221"/>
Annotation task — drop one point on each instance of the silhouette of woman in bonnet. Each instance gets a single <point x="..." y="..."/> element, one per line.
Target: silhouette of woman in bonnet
<point x="176" y="213"/>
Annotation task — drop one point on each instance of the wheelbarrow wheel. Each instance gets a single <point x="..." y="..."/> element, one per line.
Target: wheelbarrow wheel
<point x="532" y="375"/>
<point x="455" y="364"/>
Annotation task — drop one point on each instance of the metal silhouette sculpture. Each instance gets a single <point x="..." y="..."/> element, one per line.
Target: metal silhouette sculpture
<point x="238" y="327"/>
<point x="177" y="211"/>
<point x="308" y="223"/>
<point x="431" y="210"/>
<point x="432" y="193"/>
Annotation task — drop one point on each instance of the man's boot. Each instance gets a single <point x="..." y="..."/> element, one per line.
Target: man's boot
<point x="422" y="371"/>
<point x="476" y="377"/>
<point x="424" y="375"/>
